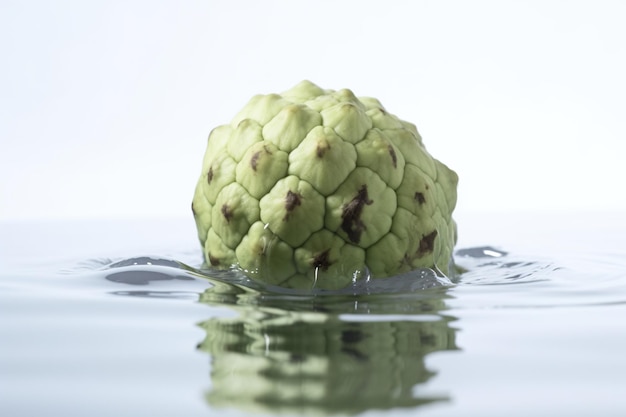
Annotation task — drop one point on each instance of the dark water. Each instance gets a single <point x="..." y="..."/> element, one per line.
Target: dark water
<point x="118" y="319"/>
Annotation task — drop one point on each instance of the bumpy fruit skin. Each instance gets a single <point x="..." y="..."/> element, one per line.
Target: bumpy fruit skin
<point x="317" y="188"/>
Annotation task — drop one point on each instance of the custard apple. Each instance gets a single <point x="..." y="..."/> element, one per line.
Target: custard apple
<point x="316" y="188"/>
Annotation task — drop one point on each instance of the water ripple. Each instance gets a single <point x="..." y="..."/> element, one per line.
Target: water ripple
<point x="489" y="278"/>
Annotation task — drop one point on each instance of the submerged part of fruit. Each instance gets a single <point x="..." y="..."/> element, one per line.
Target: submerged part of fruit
<point x="317" y="188"/>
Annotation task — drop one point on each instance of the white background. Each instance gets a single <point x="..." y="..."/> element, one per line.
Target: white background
<point x="105" y="106"/>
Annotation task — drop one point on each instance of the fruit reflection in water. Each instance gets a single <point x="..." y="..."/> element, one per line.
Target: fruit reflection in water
<point x="307" y="360"/>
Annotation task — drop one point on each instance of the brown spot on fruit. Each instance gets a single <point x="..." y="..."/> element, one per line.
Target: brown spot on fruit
<point x="406" y="260"/>
<point x="321" y="149"/>
<point x="419" y="197"/>
<point x="292" y="200"/>
<point x="351" y="215"/>
<point x="209" y="175"/>
<point x="255" y="160"/>
<point x="322" y="260"/>
<point x="213" y="260"/>
<point x="427" y="244"/>
<point x="394" y="157"/>
<point x="227" y="212"/>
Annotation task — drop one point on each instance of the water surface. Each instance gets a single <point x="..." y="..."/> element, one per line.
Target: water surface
<point x="107" y="318"/>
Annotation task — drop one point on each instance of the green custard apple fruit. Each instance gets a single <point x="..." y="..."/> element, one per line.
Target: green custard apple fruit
<point x="317" y="188"/>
